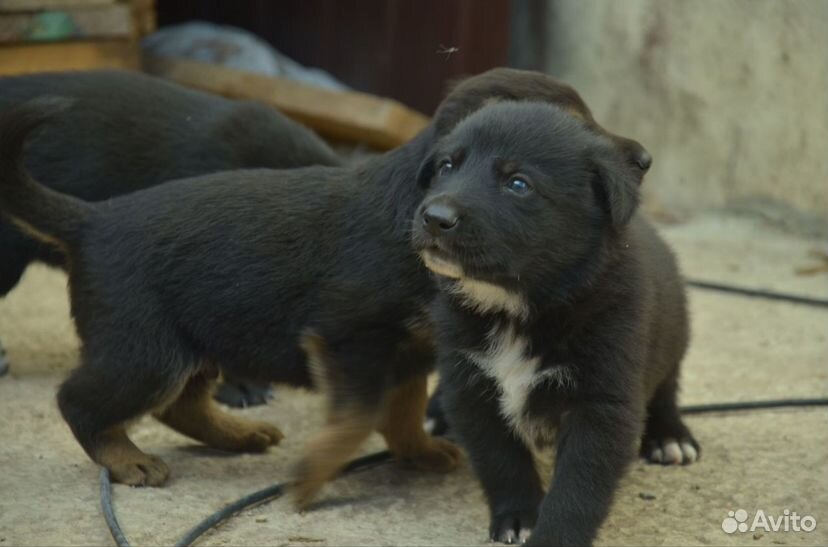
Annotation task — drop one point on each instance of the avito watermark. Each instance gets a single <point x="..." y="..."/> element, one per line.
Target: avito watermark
<point x="788" y="521"/>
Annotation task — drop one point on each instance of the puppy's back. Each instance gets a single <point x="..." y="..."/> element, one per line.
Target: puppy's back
<point x="128" y="131"/>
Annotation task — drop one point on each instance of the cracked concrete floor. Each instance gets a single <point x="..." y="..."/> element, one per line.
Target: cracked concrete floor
<point x="742" y="349"/>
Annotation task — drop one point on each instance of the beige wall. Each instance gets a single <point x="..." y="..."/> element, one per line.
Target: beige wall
<point x="730" y="96"/>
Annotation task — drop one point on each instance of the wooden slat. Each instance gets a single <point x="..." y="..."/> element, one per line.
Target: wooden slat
<point x="348" y="116"/>
<point x="28" y="58"/>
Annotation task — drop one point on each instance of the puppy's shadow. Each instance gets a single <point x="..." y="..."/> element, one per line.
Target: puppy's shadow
<point x="328" y="504"/>
<point x="202" y="451"/>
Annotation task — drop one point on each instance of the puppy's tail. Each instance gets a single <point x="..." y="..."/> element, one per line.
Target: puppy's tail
<point x="47" y="215"/>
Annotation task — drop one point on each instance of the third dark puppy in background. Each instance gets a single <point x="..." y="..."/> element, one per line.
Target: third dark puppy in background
<point x="561" y="318"/>
<point x="128" y="131"/>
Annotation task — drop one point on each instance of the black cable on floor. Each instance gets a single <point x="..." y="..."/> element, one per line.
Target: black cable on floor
<point x="267" y="494"/>
<point x="277" y="490"/>
<point x="109" y="510"/>
<point x="752" y="405"/>
<point x="758" y="293"/>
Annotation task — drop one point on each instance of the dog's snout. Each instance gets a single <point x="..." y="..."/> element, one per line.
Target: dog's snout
<point x="439" y="218"/>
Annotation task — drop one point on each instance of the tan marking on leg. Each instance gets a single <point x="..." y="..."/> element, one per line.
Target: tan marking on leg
<point x="349" y="424"/>
<point x="195" y="414"/>
<point x="127" y="464"/>
<point x="402" y="427"/>
<point x="330" y="450"/>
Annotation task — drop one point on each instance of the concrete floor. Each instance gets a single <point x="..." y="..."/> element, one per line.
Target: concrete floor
<point x="742" y="349"/>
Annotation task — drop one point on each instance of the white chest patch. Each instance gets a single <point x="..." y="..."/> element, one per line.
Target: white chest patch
<point x="505" y="361"/>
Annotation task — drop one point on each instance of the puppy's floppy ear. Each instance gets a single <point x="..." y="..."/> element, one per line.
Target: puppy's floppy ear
<point x="426" y="172"/>
<point x="615" y="183"/>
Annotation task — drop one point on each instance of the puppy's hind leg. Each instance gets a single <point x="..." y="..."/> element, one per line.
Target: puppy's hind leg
<point x="667" y="440"/>
<point x="100" y="398"/>
<point x="195" y="414"/>
<point x="402" y="427"/>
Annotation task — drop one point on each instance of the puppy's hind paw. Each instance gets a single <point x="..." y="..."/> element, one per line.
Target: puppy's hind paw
<point x="438" y="455"/>
<point x="259" y="436"/>
<point x="670" y="451"/>
<point x="243" y="394"/>
<point x="143" y="471"/>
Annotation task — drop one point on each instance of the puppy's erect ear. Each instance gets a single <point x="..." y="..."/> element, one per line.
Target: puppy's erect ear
<point x="426" y="172"/>
<point x="616" y="184"/>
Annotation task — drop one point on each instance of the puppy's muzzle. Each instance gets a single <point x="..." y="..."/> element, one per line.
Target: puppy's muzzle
<point x="440" y="217"/>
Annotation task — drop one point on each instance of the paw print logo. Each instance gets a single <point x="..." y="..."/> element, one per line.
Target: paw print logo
<point x="735" y="520"/>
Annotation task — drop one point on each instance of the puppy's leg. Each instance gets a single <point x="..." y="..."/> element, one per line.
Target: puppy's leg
<point x="102" y="396"/>
<point x="402" y="427"/>
<point x="353" y="414"/>
<point x="435" y="416"/>
<point x="667" y="440"/>
<point x="502" y="462"/>
<point x="348" y="426"/>
<point x="239" y="393"/>
<point x="596" y="442"/>
<point x="4" y="361"/>
<point x="17" y="253"/>
<point x="196" y="415"/>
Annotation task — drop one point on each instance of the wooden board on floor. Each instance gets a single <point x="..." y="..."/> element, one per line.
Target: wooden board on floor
<point x="28" y="58"/>
<point x="340" y="115"/>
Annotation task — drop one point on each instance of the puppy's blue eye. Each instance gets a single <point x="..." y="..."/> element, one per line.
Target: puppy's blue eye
<point x="518" y="185"/>
<point x="445" y="167"/>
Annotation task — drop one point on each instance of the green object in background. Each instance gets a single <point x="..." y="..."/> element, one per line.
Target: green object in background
<point x="51" y="25"/>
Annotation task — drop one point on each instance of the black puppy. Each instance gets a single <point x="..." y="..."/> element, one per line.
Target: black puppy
<point x="561" y="316"/>
<point x="305" y="277"/>
<point x="129" y="131"/>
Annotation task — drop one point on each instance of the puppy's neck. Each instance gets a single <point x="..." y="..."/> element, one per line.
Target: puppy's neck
<point x="599" y="272"/>
<point x="487" y="298"/>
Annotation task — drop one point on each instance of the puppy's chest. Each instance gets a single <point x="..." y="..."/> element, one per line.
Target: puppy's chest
<point x="532" y="386"/>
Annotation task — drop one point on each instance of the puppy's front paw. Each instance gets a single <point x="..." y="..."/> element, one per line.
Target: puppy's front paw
<point x="512" y="526"/>
<point x="438" y="455"/>
<point x="670" y="451"/>
<point x="307" y="484"/>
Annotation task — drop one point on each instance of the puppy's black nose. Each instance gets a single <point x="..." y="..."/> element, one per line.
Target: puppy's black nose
<point x="644" y="160"/>
<point x="439" y="218"/>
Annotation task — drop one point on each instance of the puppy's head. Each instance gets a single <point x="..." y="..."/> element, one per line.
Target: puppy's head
<point x="519" y="195"/>
<point x="508" y="84"/>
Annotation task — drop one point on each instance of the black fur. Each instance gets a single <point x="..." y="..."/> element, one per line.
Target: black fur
<point x="526" y="198"/>
<point x="127" y="131"/>
<point x="199" y="271"/>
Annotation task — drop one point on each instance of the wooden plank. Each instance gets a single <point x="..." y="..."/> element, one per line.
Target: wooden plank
<point x="348" y="116"/>
<point x="28" y="58"/>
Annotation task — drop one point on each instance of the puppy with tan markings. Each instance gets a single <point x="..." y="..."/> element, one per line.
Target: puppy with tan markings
<point x="305" y="277"/>
<point x="561" y="317"/>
